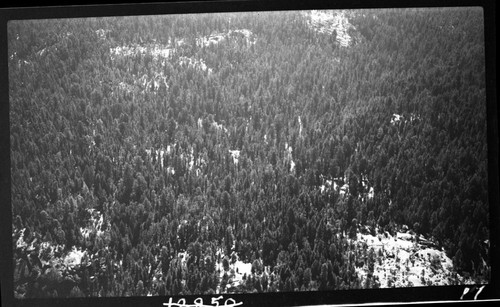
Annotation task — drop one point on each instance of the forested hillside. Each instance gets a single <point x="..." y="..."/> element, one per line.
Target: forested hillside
<point x="245" y="152"/>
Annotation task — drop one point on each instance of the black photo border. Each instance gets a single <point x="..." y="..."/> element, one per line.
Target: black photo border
<point x="448" y="295"/>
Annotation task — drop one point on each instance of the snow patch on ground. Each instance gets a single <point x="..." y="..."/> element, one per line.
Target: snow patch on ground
<point x="186" y="156"/>
<point x="159" y="53"/>
<point x="371" y="193"/>
<point x="125" y="87"/>
<point x="235" y="154"/>
<point x="340" y="185"/>
<point x="183" y="257"/>
<point x="288" y="157"/>
<point x="74" y="257"/>
<point x="414" y="117"/>
<point x="101" y="33"/>
<point x="159" y="154"/>
<point x="191" y="159"/>
<point x="300" y="127"/>
<point x="398" y="118"/>
<point x="95" y="224"/>
<point x="219" y="127"/>
<point x="20" y="243"/>
<point x="327" y="185"/>
<point x="344" y="190"/>
<point x="336" y="184"/>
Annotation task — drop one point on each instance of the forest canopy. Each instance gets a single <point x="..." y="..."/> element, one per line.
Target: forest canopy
<point x="245" y="152"/>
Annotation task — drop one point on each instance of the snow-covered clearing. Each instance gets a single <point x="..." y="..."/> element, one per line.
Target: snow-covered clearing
<point x="157" y="51"/>
<point x="217" y="38"/>
<point x="49" y="253"/>
<point x="160" y="55"/>
<point x="213" y="39"/>
<point x="398" y="118"/>
<point x="401" y="261"/>
<point x="74" y="257"/>
<point x="194" y="63"/>
<point x="329" y="21"/>
<point x="237" y="271"/>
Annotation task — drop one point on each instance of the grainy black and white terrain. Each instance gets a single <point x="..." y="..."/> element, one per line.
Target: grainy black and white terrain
<point x="245" y="152"/>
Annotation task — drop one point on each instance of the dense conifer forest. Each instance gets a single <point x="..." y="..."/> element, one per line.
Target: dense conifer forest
<point x="248" y="152"/>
